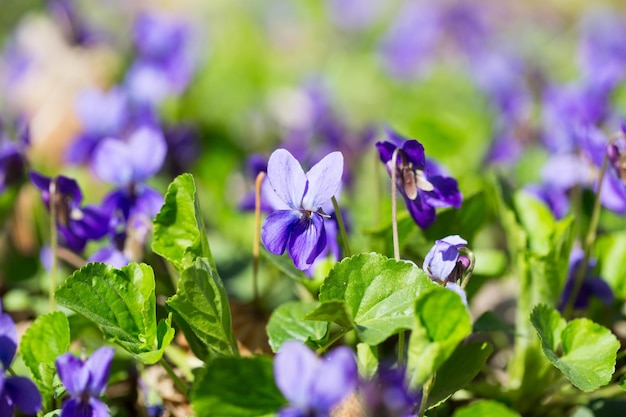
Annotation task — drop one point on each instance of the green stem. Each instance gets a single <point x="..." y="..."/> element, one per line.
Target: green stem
<point x="332" y="341"/>
<point x="342" y="228"/>
<point x="394" y="205"/>
<point x="257" y="235"/>
<point x="177" y="381"/>
<point x="54" y="243"/>
<point x="401" y="343"/>
<point x="428" y="386"/>
<point x="588" y="243"/>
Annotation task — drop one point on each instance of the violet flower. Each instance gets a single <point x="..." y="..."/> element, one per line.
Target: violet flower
<point x="77" y="224"/>
<point x="420" y="182"/>
<point x="12" y="157"/>
<point x="592" y="285"/>
<point x="313" y="386"/>
<point x="102" y="115"/>
<point x="300" y="226"/>
<point x="15" y="391"/>
<point x="128" y="164"/>
<point x="85" y="381"/>
<point x="387" y="394"/>
<point x="446" y="265"/>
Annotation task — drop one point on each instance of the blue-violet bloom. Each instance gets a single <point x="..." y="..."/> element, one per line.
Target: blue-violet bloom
<point x="15" y="391"/>
<point x="300" y="227"/>
<point x="446" y="265"/>
<point x="85" y="381"/>
<point x="420" y="182"/>
<point x="592" y="285"/>
<point x="77" y="224"/>
<point x="313" y="386"/>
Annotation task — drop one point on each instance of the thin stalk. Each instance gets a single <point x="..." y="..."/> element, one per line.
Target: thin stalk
<point x="470" y="268"/>
<point x="588" y="242"/>
<point x="426" y="393"/>
<point x="70" y="257"/>
<point x="396" y="241"/>
<point x="177" y="381"/>
<point x="342" y="229"/>
<point x="257" y="235"/>
<point x="332" y="341"/>
<point x="394" y="205"/>
<point x="54" y="243"/>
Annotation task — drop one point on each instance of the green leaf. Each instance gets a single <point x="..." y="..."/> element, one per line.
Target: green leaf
<point x="610" y="250"/>
<point x="588" y="350"/>
<point x="373" y="294"/>
<point x="465" y="221"/>
<point x="459" y="370"/>
<point x="123" y="304"/>
<point x="367" y="359"/>
<point x="490" y="321"/>
<point x="46" y="338"/>
<point x="442" y="322"/>
<point x="485" y="408"/>
<point x="287" y="322"/>
<point x="236" y="387"/>
<point x="201" y="307"/>
<point x="179" y="234"/>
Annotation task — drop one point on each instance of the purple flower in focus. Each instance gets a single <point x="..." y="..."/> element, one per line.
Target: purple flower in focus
<point x="446" y="265"/>
<point x="77" y="224"/>
<point x="300" y="227"/>
<point x="15" y="391"/>
<point x="313" y="386"/>
<point x="419" y="181"/>
<point x="85" y="381"/>
<point x="592" y="286"/>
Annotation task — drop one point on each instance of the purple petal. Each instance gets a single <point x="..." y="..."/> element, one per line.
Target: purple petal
<point x="148" y="148"/>
<point x="277" y="228"/>
<point x="113" y="162"/>
<point x="42" y="182"/>
<point x="147" y="84"/>
<point x="102" y="113"/>
<point x="338" y="376"/>
<point x="98" y="366"/>
<point x="422" y="213"/>
<point x="295" y="370"/>
<point x="69" y="187"/>
<point x="600" y="288"/>
<point x="8" y="340"/>
<point x="92" y="224"/>
<point x="287" y="178"/>
<point x="98" y="408"/>
<point x="70" y="240"/>
<point x="148" y="202"/>
<point x="565" y="171"/>
<point x="415" y="153"/>
<point x="445" y="194"/>
<point x="307" y="241"/>
<point x="74" y="407"/>
<point x="111" y="256"/>
<point x="613" y="193"/>
<point x="6" y="407"/>
<point x="23" y="393"/>
<point x="385" y="150"/>
<point x="293" y="412"/>
<point x="441" y="260"/>
<point x="72" y="374"/>
<point x="324" y="181"/>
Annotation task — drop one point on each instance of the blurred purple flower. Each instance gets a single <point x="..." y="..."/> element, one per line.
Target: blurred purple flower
<point x="354" y="15"/>
<point x="183" y="148"/>
<point x="76" y="31"/>
<point x="555" y="198"/>
<point x="313" y="386"/>
<point x="15" y="391"/>
<point x="85" y="381"/>
<point x="77" y="224"/>
<point x="102" y="115"/>
<point x="419" y="181"/>
<point x="387" y="394"/>
<point x="300" y="226"/>
<point x="12" y="156"/>
<point x="592" y="286"/>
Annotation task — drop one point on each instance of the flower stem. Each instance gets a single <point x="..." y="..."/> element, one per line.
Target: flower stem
<point x="467" y="274"/>
<point x="177" y="381"/>
<point x="396" y="241"/>
<point x="589" y="240"/>
<point x="332" y="341"/>
<point x="428" y="386"/>
<point x="54" y="242"/>
<point x="257" y="235"/>
<point x="342" y="229"/>
<point x="394" y="205"/>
